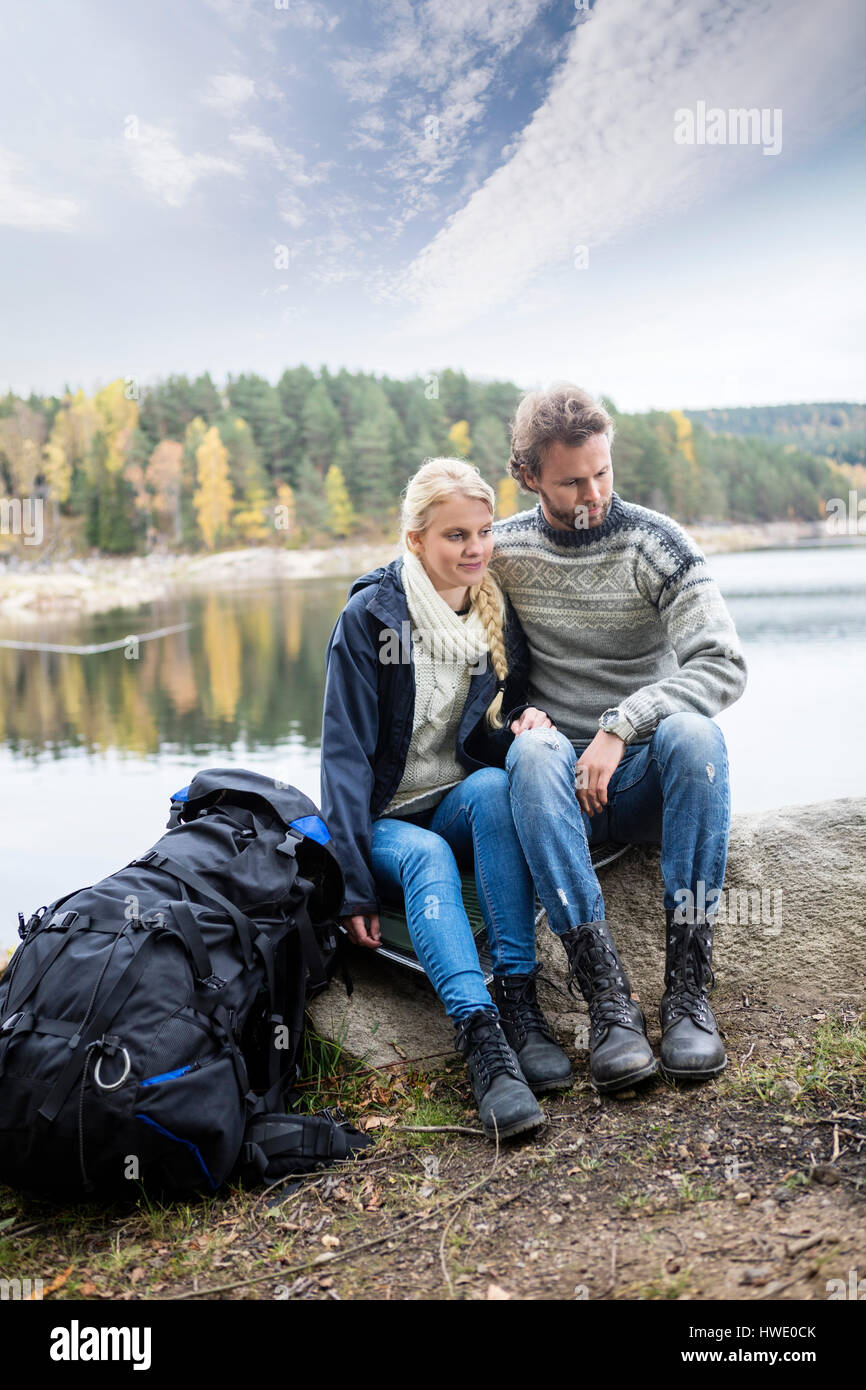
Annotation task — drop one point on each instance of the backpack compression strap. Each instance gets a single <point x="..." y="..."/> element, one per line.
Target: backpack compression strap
<point x="245" y="926"/>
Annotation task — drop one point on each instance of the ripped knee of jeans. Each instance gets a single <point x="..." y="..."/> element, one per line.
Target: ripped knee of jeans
<point x="551" y="737"/>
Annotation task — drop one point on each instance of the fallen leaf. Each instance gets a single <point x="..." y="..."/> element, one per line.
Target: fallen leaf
<point x="57" y="1283"/>
<point x="495" y="1292"/>
<point x="136" y="1275"/>
<point x="332" y="1242"/>
<point x="87" y="1288"/>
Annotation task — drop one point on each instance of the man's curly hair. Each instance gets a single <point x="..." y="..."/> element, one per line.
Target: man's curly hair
<point x="564" y="413"/>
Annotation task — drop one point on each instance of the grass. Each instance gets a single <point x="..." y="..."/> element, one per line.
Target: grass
<point x="330" y="1076"/>
<point x="835" y="1070"/>
<point x="688" y="1191"/>
<point x="671" y="1288"/>
<point x="632" y="1201"/>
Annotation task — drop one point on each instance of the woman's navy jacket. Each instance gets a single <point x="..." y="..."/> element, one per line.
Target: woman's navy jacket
<point x="367" y="721"/>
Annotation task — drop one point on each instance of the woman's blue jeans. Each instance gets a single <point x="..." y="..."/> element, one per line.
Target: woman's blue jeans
<point x="420" y="863"/>
<point x="671" y="790"/>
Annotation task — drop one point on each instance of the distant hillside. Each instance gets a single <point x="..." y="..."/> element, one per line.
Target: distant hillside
<point x="835" y="429"/>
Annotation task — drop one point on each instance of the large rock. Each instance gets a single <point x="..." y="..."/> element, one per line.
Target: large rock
<point x="795" y="926"/>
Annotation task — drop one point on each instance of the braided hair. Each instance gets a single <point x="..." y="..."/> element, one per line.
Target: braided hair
<point x="486" y="598"/>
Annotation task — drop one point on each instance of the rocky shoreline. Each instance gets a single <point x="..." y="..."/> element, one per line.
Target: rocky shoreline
<point x="99" y="583"/>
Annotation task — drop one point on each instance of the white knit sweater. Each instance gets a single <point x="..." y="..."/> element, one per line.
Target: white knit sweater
<point x="448" y="650"/>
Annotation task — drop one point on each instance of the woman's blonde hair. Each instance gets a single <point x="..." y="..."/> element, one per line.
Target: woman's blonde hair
<point x="437" y="481"/>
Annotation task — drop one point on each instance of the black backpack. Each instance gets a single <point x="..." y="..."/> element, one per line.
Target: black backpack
<point x="151" y="1025"/>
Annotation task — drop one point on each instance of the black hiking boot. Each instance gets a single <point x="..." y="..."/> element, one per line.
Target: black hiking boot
<point x="619" y="1053"/>
<point x="505" y="1103"/>
<point x="691" y="1047"/>
<point x="542" y="1060"/>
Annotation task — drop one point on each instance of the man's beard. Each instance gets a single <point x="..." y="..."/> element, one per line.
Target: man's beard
<point x="578" y="518"/>
<point x="582" y="521"/>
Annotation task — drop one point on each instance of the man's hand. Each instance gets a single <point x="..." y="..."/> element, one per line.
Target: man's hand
<point x="363" y="931"/>
<point x="531" y="718"/>
<point x="595" y="767"/>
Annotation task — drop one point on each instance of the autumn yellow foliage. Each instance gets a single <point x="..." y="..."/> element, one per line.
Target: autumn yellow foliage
<point x="213" y="499"/>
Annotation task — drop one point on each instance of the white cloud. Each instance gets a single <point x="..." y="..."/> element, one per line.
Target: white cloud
<point x="598" y="158"/>
<point x="24" y="206"/>
<point x="306" y="14"/>
<point x="367" y="131"/>
<point x="228" y="92"/>
<point x="255" y="141"/>
<point x="292" y="209"/>
<point x="163" y="168"/>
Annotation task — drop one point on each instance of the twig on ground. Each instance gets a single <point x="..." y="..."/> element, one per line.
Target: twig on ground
<point x="438" y="1129"/>
<point x="671" y="1232"/>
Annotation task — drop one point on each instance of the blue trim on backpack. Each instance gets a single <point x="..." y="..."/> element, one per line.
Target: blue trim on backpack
<point x="168" y="1075"/>
<point x="313" y="827"/>
<point x="186" y="1143"/>
<point x="183" y="794"/>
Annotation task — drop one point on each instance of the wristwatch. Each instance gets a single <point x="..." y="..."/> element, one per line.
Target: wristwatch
<point x="613" y="721"/>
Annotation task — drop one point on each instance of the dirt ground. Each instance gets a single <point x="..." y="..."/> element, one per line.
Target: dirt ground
<point x="689" y="1192"/>
<point x="751" y="1187"/>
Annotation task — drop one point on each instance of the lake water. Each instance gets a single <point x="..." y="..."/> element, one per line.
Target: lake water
<point x="91" y="747"/>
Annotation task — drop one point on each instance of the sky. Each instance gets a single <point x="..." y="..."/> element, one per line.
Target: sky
<point x="535" y="190"/>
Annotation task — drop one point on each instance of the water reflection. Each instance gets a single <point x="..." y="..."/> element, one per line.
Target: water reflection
<point x="248" y="665"/>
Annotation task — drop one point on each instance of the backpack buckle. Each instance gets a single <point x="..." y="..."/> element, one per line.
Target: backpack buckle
<point x="61" y="921"/>
<point x="212" y="984"/>
<point x="9" y="1023"/>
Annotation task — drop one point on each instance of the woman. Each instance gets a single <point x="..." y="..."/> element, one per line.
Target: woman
<point x="422" y="660"/>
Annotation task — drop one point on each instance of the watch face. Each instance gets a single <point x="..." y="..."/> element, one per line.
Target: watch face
<point x="610" y="716"/>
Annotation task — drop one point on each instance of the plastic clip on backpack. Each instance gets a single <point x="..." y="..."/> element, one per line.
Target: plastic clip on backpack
<point x="151" y="1025"/>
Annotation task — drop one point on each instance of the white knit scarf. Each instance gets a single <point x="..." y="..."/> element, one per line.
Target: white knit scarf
<point x="452" y="639"/>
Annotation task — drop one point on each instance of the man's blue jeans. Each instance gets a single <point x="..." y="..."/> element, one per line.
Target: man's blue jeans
<point x="420" y="862"/>
<point x="673" y="790"/>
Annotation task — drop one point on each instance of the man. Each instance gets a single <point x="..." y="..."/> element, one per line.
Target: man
<point x="633" y="651"/>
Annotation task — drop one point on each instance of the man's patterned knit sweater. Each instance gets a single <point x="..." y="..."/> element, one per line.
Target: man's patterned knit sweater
<point x="623" y="614"/>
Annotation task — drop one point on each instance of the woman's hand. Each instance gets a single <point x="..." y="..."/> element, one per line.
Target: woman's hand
<point x="363" y="931"/>
<point x="595" y="767"/>
<point x="531" y="718"/>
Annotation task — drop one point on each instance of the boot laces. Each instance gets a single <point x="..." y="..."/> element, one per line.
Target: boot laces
<point x="691" y="974"/>
<point x="520" y="1005"/>
<point x="482" y="1038"/>
<point x="596" y="969"/>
